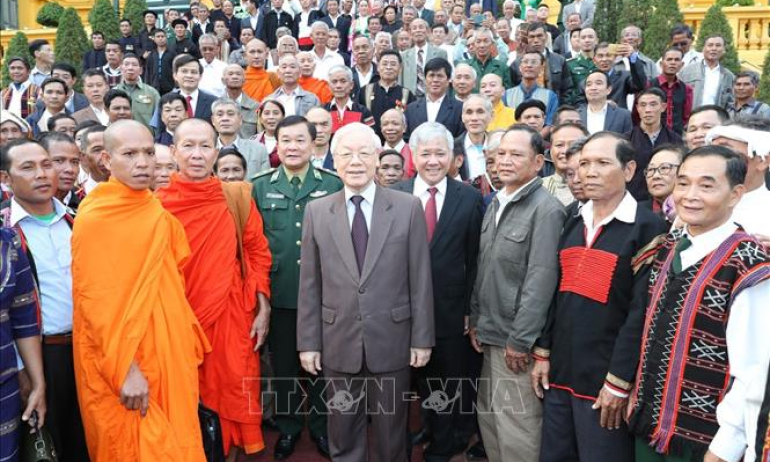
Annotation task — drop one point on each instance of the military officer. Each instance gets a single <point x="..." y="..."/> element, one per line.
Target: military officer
<point x="282" y="194"/>
<point x="582" y="64"/>
<point x="144" y="98"/>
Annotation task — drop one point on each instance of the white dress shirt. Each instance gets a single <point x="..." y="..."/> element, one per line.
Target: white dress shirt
<point x="193" y="101"/>
<point x="710" y="84"/>
<point x="103" y="117"/>
<point x="90" y="184"/>
<point x="15" y="104"/>
<point x="505" y="198"/>
<point x="211" y="79"/>
<point x="364" y="79"/>
<point x="595" y="120"/>
<point x="324" y="63"/>
<point x="625" y="212"/>
<point x="474" y="155"/>
<point x="367" y="205"/>
<point x="751" y="211"/>
<point x="287" y="99"/>
<point x="422" y="193"/>
<point x="433" y="107"/>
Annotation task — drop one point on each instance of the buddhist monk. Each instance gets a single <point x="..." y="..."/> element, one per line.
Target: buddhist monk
<point x="136" y="341"/>
<point x="228" y="282"/>
<point x="318" y="87"/>
<point x="259" y="83"/>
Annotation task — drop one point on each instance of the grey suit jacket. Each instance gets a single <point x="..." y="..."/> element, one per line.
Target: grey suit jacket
<point x="617" y="120"/>
<point x="695" y="75"/>
<point x="388" y="307"/>
<point x="303" y="102"/>
<point x="408" y="78"/>
<point x="650" y="67"/>
<point x="586" y="13"/>
<point x="255" y="154"/>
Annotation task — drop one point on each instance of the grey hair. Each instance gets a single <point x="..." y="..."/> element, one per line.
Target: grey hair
<point x="413" y="9"/>
<point x="400" y="113"/>
<point x="383" y="34"/>
<point x="485" y="31"/>
<point x="484" y="100"/>
<point x="288" y="37"/>
<point x="493" y="140"/>
<point x="355" y="127"/>
<point x="225" y="102"/>
<point x="341" y="68"/>
<point x="368" y="40"/>
<point x="282" y="29"/>
<point x="464" y="65"/>
<point x="208" y="36"/>
<point x="319" y="24"/>
<point x="429" y="131"/>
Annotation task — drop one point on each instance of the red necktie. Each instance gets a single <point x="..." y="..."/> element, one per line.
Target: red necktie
<point x="431" y="216"/>
<point x="190" y="112"/>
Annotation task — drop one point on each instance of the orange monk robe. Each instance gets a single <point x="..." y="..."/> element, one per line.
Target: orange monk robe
<point x="259" y="83"/>
<point x="130" y="305"/>
<point x="318" y="87"/>
<point x="224" y="302"/>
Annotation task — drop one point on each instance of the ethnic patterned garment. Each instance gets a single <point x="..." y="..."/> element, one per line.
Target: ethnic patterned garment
<point x="683" y="369"/>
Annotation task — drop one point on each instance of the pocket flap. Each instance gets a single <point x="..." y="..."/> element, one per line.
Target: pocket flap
<point x="518" y="234"/>
<point x="402" y="313"/>
<point x="328" y="315"/>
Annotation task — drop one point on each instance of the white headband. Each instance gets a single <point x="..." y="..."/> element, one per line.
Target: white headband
<point x="758" y="141"/>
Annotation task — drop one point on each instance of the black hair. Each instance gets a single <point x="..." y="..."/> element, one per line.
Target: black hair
<point x="115" y="43"/>
<point x="437" y="64"/>
<point x="669" y="49"/>
<point x="529" y="104"/>
<point x="752" y="122"/>
<point x="655" y="91"/>
<point x="125" y="20"/>
<point x="95" y="72"/>
<point x="537" y="25"/>
<point x="293" y="120"/>
<point x="5" y="151"/>
<point x="391" y="152"/>
<point x="86" y="124"/>
<point x="146" y="12"/>
<point x="735" y="165"/>
<point x="132" y="55"/>
<point x="177" y="22"/>
<point x="184" y="59"/>
<point x="574" y="125"/>
<point x="50" y="80"/>
<point x="535" y="139"/>
<point x="679" y="149"/>
<point x="624" y="151"/>
<point x="99" y="33"/>
<point x="66" y="67"/>
<point x="576" y="147"/>
<point x="156" y="30"/>
<point x="721" y="113"/>
<point x="51" y="124"/>
<point x="597" y="71"/>
<point x="170" y="97"/>
<point x="562" y="109"/>
<point x="371" y="18"/>
<point x="36" y="45"/>
<point x="392" y="53"/>
<point x="230" y="151"/>
<point x="46" y="139"/>
<point x="274" y="102"/>
<point x="112" y="95"/>
<point x="98" y="128"/>
<point x="23" y="61"/>
<point x="680" y="29"/>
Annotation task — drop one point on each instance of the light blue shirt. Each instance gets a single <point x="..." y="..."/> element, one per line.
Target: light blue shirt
<point x="51" y="249"/>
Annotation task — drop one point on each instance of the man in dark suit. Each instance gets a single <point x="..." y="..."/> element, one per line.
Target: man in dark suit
<point x="561" y="44"/>
<point x="599" y="114"/>
<point x="365" y="280"/>
<point x="187" y="75"/>
<point x="338" y="21"/>
<point x="158" y="68"/>
<point x="274" y="19"/>
<point x="255" y="17"/>
<point x="437" y="105"/>
<point x="559" y="78"/>
<point x="204" y="25"/>
<point x="422" y="12"/>
<point x="75" y="101"/>
<point x="453" y="213"/>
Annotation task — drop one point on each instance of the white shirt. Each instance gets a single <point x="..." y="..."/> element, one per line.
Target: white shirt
<point x="474" y="155"/>
<point x="90" y="184"/>
<point x="421" y="192"/>
<point x="304" y="27"/>
<point x="364" y="79"/>
<point x="193" y="101"/>
<point x="751" y="211"/>
<point x="367" y="205"/>
<point x="433" y="107"/>
<point x="15" y="104"/>
<point x="710" y="84"/>
<point x="43" y="122"/>
<point x="254" y="20"/>
<point x="595" y="120"/>
<point x="505" y="198"/>
<point x="288" y="100"/>
<point x="324" y="63"/>
<point x="103" y="117"/>
<point x="399" y="146"/>
<point x="211" y="79"/>
<point x="748" y="352"/>
<point x="625" y="212"/>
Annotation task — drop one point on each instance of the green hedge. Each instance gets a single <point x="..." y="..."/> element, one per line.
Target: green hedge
<point x="49" y="14"/>
<point x="18" y="46"/>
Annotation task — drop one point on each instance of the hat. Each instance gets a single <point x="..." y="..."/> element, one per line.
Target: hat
<point x="528" y="104"/>
<point x="176" y="22"/>
<point x="8" y="116"/>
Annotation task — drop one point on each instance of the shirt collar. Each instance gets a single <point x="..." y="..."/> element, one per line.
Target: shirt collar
<point x="703" y="244"/>
<point x="193" y="94"/>
<point x="367" y="194"/>
<point x="398" y="147"/>
<point x="504" y="198"/>
<point x="348" y="104"/>
<point x="18" y="213"/>
<point x="625" y="211"/>
<point x="301" y="175"/>
<point x="438" y="101"/>
<point x="420" y="186"/>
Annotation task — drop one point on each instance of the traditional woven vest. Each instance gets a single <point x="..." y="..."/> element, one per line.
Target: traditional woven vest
<point x="683" y="368"/>
<point x="515" y="96"/>
<point x="28" y="100"/>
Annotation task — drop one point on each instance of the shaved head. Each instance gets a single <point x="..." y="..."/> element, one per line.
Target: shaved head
<point x="120" y="130"/>
<point x="196" y="125"/>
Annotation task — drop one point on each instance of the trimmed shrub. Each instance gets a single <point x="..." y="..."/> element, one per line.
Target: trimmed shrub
<point x="49" y="14"/>
<point x="104" y="18"/>
<point x="715" y="23"/>
<point x="664" y="17"/>
<point x="18" y="46"/>
<point x="132" y="11"/>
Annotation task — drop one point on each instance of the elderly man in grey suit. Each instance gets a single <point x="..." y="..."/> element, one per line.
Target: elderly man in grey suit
<point x="226" y="118"/>
<point x="585" y="8"/>
<point x="365" y="308"/>
<point x="295" y="99"/>
<point x="711" y="82"/>
<point x="414" y="59"/>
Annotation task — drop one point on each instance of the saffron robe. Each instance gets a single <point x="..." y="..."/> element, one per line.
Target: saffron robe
<point x="259" y="83"/>
<point x="318" y="87"/>
<point x="224" y="300"/>
<point x="130" y="305"/>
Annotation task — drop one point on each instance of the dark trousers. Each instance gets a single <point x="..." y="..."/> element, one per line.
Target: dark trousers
<point x="351" y="397"/>
<point x="291" y="382"/>
<point x="571" y="432"/>
<point x="445" y="373"/>
<point x="63" y="413"/>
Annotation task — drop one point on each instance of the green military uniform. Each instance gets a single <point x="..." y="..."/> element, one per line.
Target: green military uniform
<point x="492" y="66"/>
<point x="580" y="66"/>
<point x="282" y="205"/>
<point x="144" y="101"/>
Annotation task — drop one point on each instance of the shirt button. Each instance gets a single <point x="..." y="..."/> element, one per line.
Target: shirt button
<point x="272" y="206"/>
<point x="298" y="207"/>
<point x="299" y="224"/>
<point x="299" y="243"/>
<point x="362" y="290"/>
<point x="298" y="262"/>
<point x="358" y="317"/>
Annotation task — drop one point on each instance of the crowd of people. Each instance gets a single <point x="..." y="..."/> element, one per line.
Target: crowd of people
<point x="310" y="214"/>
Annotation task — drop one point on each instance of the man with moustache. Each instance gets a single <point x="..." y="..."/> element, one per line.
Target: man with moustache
<point x="372" y="288"/>
<point x="453" y="213"/>
<point x="65" y="156"/>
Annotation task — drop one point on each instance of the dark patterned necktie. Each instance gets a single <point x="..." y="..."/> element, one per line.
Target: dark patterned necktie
<point x="359" y="233"/>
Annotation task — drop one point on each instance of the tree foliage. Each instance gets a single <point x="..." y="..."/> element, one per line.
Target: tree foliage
<point x="104" y="18"/>
<point x="71" y="39"/>
<point x="764" y="84"/>
<point x="735" y="2"/>
<point x="606" y="21"/>
<point x="715" y="23"/>
<point x="18" y="46"/>
<point x="665" y="15"/>
<point x="636" y="12"/>
<point x="49" y="14"/>
<point x="133" y="10"/>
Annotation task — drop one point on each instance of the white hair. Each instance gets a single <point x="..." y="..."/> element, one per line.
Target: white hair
<point x="466" y="65"/>
<point x="430" y="131"/>
<point x="288" y="37"/>
<point x="400" y="113"/>
<point x="484" y="100"/>
<point x="319" y="25"/>
<point x="355" y="127"/>
<point x="342" y="68"/>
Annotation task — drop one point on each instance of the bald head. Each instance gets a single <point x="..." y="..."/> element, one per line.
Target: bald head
<point x="256" y="53"/>
<point x="118" y="131"/>
<point x="188" y="126"/>
<point x="129" y="154"/>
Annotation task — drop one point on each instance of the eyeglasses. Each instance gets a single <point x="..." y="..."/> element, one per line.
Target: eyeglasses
<point x="663" y="169"/>
<point x="348" y="156"/>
